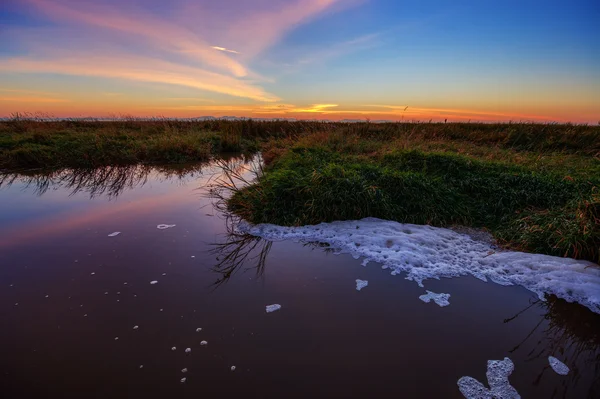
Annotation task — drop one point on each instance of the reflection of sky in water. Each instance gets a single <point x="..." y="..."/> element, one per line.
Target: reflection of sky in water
<point x="374" y="343"/>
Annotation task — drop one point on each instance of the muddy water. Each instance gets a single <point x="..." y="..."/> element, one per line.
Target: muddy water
<point x="68" y="291"/>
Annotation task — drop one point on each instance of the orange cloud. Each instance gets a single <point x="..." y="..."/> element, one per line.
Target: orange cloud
<point x="124" y="66"/>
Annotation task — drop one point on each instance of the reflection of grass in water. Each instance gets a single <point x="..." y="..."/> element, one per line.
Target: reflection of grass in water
<point x="108" y="180"/>
<point x="238" y="250"/>
<point x="572" y="334"/>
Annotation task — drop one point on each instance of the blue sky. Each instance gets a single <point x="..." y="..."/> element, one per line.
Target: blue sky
<point x="478" y="60"/>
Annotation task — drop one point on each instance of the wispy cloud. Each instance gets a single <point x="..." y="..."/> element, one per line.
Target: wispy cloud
<point x="132" y="42"/>
<point x="225" y="49"/>
<point x="315" y="108"/>
<point x="123" y="66"/>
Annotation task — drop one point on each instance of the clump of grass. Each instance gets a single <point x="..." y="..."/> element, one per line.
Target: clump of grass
<point x="534" y="206"/>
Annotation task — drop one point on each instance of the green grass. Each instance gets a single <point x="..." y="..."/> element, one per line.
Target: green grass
<point x="534" y="186"/>
<point x="544" y="201"/>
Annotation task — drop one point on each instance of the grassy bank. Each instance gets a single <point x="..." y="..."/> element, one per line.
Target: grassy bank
<point x="536" y="193"/>
<point x="535" y="187"/>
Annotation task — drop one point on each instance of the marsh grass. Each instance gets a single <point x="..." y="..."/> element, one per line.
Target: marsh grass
<point x="533" y="186"/>
<point x="542" y="201"/>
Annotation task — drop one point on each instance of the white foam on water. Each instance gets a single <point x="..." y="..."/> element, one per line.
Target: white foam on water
<point x="188" y="350"/>
<point x="203" y="343"/>
<point x="141" y="366"/>
<point x="116" y="233"/>
<point x="136" y="327"/>
<point x="232" y="368"/>
<point x="440" y="299"/>
<point x="116" y="338"/>
<point x="173" y="348"/>
<point x="426" y="252"/>
<point x="165" y="226"/>
<point x="184" y="370"/>
<point x="198" y="329"/>
<point x="273" y="308"/>
<point x="153" y="282"/>
<point x="497" y="376"/>
<point x="183" y="380"/>
<point x="558" y="366"/>
<point x="360" y="284"/>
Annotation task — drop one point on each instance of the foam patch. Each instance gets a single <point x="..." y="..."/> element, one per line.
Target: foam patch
<point x="426" y="252"/>
<point x="439" y="299"/>
<point x="497" y="376"/>
<point x="360" y="284"/>
<point x="272" y="308"/>
<point x="165" y="226"/>
<point x="558" y="366"/>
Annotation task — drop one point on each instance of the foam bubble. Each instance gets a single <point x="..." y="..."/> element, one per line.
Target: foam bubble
<point x="497" y="376"/>
<point x="188" y="350"/>
<point x="558" y="366"/>
<point x="203" y="343"/>
<point x="439" y="299"/>
<point x="165" y="226"/>
<point x="272" y="308"/>
<point x="116" y="233"/>
<point x="153" y="282"/>
<point x="360" y="284"/>
<point x="426" y="252"/>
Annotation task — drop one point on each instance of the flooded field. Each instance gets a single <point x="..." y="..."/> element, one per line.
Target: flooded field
<point x="127" y="282"/>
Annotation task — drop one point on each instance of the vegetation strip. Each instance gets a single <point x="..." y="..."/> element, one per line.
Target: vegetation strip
<point x="533" y="186"/>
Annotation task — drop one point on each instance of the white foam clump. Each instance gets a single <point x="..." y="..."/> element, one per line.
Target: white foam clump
<point x="203" y="343"/>
<point x="497" y="376"/>
<point x="165" y="226"/>
<point x="188" y="350"/>
<point x="426" y="252"/>
<point x="153" y="282"/>
<point x="360" y="284"/>
<point x="558" y="366"/>
<point x="272" y="308"/>
<point x="116" y="233"/>
<point x="440" y="299"/>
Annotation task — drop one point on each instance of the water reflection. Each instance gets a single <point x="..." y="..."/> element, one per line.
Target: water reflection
<point x="236" y="251"/>
<point x="570" y="332"/>
<point x="111" y="181"/>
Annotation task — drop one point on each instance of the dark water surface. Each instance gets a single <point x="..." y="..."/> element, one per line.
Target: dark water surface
<point x="67" y="290"/>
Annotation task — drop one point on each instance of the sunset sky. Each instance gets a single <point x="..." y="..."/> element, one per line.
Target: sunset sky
<point x="308" y="59"/>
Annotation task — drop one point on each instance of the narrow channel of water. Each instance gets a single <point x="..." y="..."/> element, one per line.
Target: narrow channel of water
<point x="81" y="316"/>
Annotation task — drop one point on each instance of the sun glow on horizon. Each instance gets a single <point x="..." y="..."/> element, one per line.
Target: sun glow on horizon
<point x="283" y="60"/>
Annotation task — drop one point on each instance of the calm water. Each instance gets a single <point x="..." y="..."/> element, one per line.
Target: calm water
<point x="67" y="290"/>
